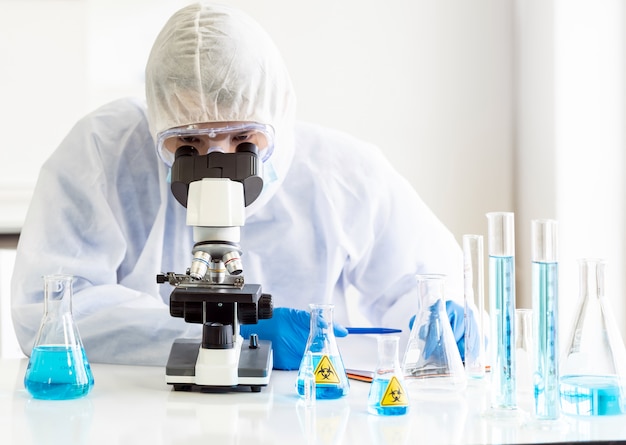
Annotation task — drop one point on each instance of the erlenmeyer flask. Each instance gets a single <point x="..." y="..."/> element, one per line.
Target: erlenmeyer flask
<point x="58" y="368"/>
<point x="592" y="379"/>
<point x="432" y="361"/>
<point x="331" y="380"/>
<point x="387" y="396"/>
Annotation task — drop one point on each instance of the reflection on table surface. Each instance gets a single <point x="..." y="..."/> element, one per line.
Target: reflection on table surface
<point x="132" y="404"/>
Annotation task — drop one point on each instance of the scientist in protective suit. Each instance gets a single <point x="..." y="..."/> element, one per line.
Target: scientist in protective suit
<point x="333" y="214"/>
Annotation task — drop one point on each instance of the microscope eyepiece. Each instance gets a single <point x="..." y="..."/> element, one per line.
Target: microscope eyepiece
<point x="247" y="147"/>
<point x="186" y="150"/>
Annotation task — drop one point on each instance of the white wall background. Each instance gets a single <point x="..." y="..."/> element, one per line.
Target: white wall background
<point x="429" y="82"/>
<point x="570" y="141"/>
<point x="483" y="105"/>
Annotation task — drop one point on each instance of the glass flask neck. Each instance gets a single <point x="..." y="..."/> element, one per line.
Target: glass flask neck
<point x="429" y="289"/>
<point x="322" y="320"/>
<point x="57" y="293"/>
<point x="591" y="277"/>
<point x="388" y="352"/>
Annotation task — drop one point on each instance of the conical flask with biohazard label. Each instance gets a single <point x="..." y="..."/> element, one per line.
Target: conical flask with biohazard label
<point x="432" y="361"/>
<point x="387" y="396"/>
<point x="593" y="368"/>
<point x="322" y="353"/>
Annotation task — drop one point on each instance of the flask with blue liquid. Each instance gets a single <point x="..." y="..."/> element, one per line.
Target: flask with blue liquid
<point x="387" y="396"/>
<point x="58" y="368"/>
<point x="593" y="368"/>
<point x="322" y="356"/>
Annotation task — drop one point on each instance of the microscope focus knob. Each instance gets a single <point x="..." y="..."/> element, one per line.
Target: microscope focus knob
<point x="217" y="336"/>
<point x="266" y="307"/>
<point x="247" y="313"/>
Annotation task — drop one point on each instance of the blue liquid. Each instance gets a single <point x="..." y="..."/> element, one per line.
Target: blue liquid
<point x="58" y="373"/>
<point x="502" y="292"/>
<point x="377" y="391"/>
<point x="546" y="375"/>
<point x="326" y="390"/>
<point x="589" y="395"/>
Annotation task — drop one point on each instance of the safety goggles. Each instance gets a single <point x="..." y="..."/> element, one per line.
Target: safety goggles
<point x="215" y="138"/>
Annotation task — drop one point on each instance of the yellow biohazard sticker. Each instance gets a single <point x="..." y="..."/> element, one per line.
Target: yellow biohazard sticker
<point x="394" y="394"/>
<point x="325" y="372"/>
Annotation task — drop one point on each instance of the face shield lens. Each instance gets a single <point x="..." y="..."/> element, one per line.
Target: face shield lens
<point x="210" y="139"/>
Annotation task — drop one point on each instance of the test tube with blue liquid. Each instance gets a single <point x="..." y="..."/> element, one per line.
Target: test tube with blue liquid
<point x="501" y="245"/>
<point x="544" y="234"/>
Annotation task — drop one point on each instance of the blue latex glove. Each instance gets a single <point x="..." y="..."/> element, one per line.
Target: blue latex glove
<point x="288" y="330"/>
<point x="456" y="314"/>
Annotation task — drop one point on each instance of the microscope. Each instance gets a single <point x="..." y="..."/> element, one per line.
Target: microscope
<point x="215" y="188"/>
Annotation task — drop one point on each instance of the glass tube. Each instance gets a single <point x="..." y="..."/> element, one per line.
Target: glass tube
<point x="501" y="240"/>
<point x="544" y="234"/>
<point x="473" y="260"/>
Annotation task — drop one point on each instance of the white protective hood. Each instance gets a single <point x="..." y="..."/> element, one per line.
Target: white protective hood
<point x="212" y="63"/>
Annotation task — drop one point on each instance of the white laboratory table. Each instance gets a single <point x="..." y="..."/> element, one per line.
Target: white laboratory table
<point x="133" y="405"/>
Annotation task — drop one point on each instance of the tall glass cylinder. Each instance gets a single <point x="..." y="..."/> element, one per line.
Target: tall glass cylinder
<point x="58" y="368"/>
<point x="322" y="354"/>
<point x="501" y="241"/>
<point x="593" y="367"/>
<point x="544" y="234"/>
<point x="473" y="259"/>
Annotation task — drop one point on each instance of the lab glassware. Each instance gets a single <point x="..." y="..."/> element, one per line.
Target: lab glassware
<point x="593" y="379"/>
<point x="501" y="240"/>
<point x="308" y="379"/>
<point x="474" y="291"/>
<point x="387" y="396"/>
<point x="330" y="378"/>
<point x="524" y="348"/>
<point x="432" y="362"/>
<point x="545" y="286"/>
<point x="58" y="368"/>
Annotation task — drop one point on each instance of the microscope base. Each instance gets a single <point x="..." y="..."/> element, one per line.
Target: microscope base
<point x="255" y="366"/>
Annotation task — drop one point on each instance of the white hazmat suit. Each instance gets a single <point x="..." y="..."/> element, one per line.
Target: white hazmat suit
<point x="336" y="217"/>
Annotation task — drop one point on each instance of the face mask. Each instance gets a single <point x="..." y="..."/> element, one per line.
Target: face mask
<point x="269" y="174"/>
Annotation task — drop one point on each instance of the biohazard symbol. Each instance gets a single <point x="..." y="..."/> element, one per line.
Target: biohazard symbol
<point x="325" y="372"/>
<point x="394" y="394"/>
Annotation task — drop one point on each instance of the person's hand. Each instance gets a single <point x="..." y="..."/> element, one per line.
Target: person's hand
<point x="288" y="330"/>
<point x="456" y="314"/>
